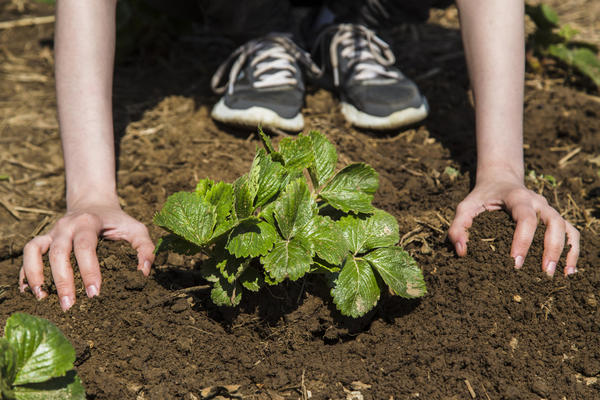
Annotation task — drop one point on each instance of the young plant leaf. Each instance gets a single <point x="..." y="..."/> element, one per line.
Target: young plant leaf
<point x="356" y="290"/>
<point x="42" y="350"/>
<point x="268" y="177"/>
<point x="251" y="238"/>
<point x="381" y="229"/>
<point x="326" y="239"/>
<point x="189" y="216"/>
<point x="244" y="197"/>
<point x="542" y="15"/>
<point x="266" y="141"/>
<point x="224" y="293"/>
<point x="66" y="387"/>
<point x="352" y="189"/>
<point x="294" y="208"/>
<point x="251" y="279"/>
<point x="288" y="259"/>
<point x="297" y="153"/>
<point x="325" y="159"/>
<point x="399" y="270"/>
<point x="8" y="368"/>
<point x="366" y="232"/>
<point x="220" y="195"/>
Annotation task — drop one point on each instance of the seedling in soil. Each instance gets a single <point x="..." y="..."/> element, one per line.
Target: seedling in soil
<point x="551" y="39"/>
<point x="36" y="361"/>
<point x="290" y="215"/>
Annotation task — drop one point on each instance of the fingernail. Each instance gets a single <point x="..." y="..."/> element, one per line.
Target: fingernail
<point x="571" y="270"/>
<point x="37" y="291"/>
<point x="550" y="268"/>
<point x="65" y="303"/>
<point x="91" y="291"/>
<point x="460" y="248"/>
<point x="519" y="260"/>
<point x="147" y="265"/>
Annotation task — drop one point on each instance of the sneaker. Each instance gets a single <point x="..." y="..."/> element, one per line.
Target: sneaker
<point x="374" y="93"/>
<point x="265" y="85"/>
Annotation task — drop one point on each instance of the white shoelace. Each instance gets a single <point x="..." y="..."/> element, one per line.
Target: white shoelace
<point x="273" y="53"/>
<point x="366" y="52"/>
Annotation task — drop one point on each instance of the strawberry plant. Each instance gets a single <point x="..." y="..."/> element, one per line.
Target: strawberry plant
<point x="36" y="361"/>
<point x="290" y="215"/>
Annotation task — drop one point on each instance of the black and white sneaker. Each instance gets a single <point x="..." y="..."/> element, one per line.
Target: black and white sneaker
<point x="265" y="85"/>
<point x="374" y="93"/>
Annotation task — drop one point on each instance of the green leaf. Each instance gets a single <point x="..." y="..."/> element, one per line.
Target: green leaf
<point x="172" y="242"/>
<point x="244" y="197"/>
<point x="252" y="279"/>
<point x="67" y="387"/>
<point x="266" y="141"/>
<point x="326" y="238"/>
<point x="365" y="232"/>
<point x="297" y="153"/>
<point x="453" y="173"/>
<point x="352" y="189"/>
<point x="288" y="259"/>
<point x="399" y="270"/>
<point x="42" y="350"/>
<point x="320" y="266"/>
<point x="567" y="32"/>
<point x="381" y="230"/>
<point x="583" y="59"/>
<point x="294" y="208"/>
<point x="8" y="368"/>
<point x="268" y="177"/>
<point x="356" y="290"/>
<point x="587" y="63"/>
<point x="188" y="215"/>
<point x="251" y="238"/>
<point x="325" y="159"/>
<point x="4" y="177"/>
<point x="543" y="16"/>
<point x="224" y="293"/>
<point x="203" y="186"/>
<point x="220" y="195"/>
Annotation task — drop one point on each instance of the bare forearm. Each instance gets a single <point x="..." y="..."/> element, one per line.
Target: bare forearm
<point x="85" y="40"/>
<point x="493" y="37"/>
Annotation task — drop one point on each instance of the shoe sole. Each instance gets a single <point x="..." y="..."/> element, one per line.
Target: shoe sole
<point x="255" y="116"/>
<point x="395" y="120"/>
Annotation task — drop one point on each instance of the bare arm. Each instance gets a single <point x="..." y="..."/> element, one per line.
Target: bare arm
<point x="85" y="42"/>
<point x="493" y="38"/>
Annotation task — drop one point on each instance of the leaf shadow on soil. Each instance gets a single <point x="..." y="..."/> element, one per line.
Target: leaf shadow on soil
<point x="306" y="302"/>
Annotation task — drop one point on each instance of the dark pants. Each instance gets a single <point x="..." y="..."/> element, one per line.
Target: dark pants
<point x="254" y="18"/>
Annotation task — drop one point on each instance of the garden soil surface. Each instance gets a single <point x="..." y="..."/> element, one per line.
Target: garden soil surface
<point x="483" y="331"/>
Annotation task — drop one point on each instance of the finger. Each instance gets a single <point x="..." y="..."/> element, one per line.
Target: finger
<point x="33" y="266"/>
<point x="573" y="254"/>
<point x="84" y="246"/>
<point x="62" y="272"/>
<point x="526" y="220"/>
<point x="554" y="239"/>
<point x="141" y="242"/>
<point x="458" y="232"/>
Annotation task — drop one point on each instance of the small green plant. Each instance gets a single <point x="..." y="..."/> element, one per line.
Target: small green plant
<point x="36" y="361"/>
<point x="293" y="214"/>
<point x="4" y="177"/>
<point x="551" y="39"/>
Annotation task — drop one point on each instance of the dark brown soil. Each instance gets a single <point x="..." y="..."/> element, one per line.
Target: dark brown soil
<point x="483" y="327"/>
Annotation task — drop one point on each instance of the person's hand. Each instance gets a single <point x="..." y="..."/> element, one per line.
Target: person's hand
<point x="78" y="231"/>
<point x="525" y="206"/>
